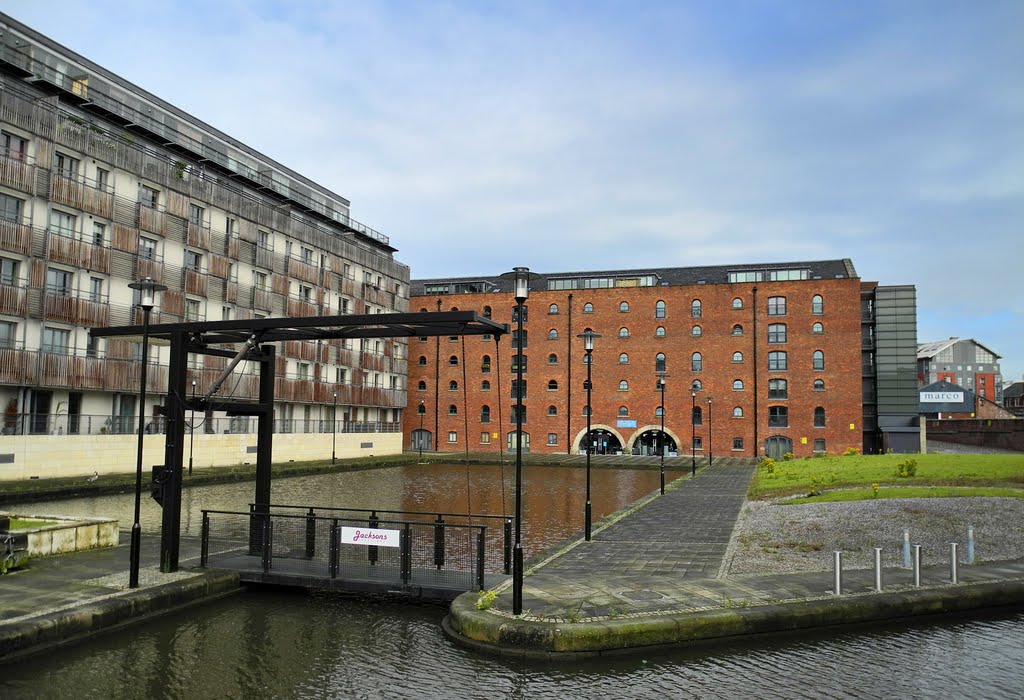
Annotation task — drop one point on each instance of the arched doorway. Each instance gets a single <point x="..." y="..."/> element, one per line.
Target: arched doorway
<point x="777" y="445"/>
<point x="651" y="442"/>
<point x="421" y="440"/>
<point x="604" y="442"/>
<point x="511" y="441"/>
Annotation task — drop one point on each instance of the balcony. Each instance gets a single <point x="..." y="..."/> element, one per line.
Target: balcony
<point x="15" y="238"/>
<point x="198" y="236"/>
<point x="149" y="267"/>
<point x="263" y="257"/>
<point x="13" y="299"/>
<point x="298" y="307"/>
<point x="81" y="195"/>
<point x="61" y="247"/>
<point x="303" y="270"/>
<point x="70" y="371"/>
<point x="151" y="219"/>
<point x="63" y="306"/>
<point x="195" y="282"/>
<point x="262" y="299"/>
<point x="17" y="173"/>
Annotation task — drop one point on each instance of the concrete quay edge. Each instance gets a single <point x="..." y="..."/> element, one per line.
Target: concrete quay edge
<point x="37" y="633"/>
<point x="526" y="638"/>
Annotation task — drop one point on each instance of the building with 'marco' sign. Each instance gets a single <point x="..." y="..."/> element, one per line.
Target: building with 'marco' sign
<point x="758" y="359"/>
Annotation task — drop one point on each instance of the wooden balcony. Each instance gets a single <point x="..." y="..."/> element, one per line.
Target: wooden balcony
<point x="220" y="266"/>
<point x="230" y="291"/>
<point x="125" y="238"/>
<point x="152" y="220"/>
<point x="196" y="283"/>
<point x="13" y="300"/>
<point x="300" y="350"/>
<point x="17" y="174"/>
<point x="301" y="308"/>
<point x="347" y="285"/>
<point x="70" y="251"/>
<point x="302" y="270"/>
<point x="373" y="362"/>
<point x="198" y="236"/>
<point x="288" y="389"/>
<point x="71" y="192"/>
<point x="15" y="238"/>
<point x="45" y="369"/>
<point x="148" y="267"/>
<point x="263" y="257"/>
<point x="231" y="246"/>
<point x="74" y="310"/>
<point x="262" y="299"/>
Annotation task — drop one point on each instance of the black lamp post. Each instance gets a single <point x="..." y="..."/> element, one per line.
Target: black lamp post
<point x="693" y="432"/>
<point x="588" y="347"/>
<point x="147" y="288"/>
<point x="334" y="426"/>
<point x="709" y="431"/>
<point x="192" y="427"/>
<point x="419" y="440"/>
<point x="661" y="385"/>
<point x="521" y="276"/>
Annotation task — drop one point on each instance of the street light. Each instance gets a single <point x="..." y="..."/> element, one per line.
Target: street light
<point x="334" y="426"/>
<point x="192" y="427"/>
<point x="147" y="288"/>
<point x="419" y="438"/>
<point x="709" y="431"/>
<point x="521" y="277"/>
<point x="588" y="347"/>
<point x="661" y="384"/>
<point x="693" y="432"/>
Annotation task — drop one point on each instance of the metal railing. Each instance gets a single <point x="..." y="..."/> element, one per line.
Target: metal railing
<point x="85" y="424"/>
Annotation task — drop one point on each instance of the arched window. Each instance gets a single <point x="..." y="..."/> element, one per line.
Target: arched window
<point x="659" y="362"/>
<point x="696" y="331"/>
<point x="817" y="328"/>
<point x="588" y="308"/>
<point x="737" y="303"/>
<point x="421" y="409"/>
<point x="623" y="411"/>
<point x="659" y="332"/>
<point x="519" y="361"/>
<point x="552" y="334"/>
<point x="737" y="329"/>
<point x="696" y="362"/>
<point x="778" y="389"/>
<point x="485" y="385"/>
<point x="423" y="311"/>
<point x="485" y="364"/>
<point x="659" y="309"/>
<point x="737" y="385"/>
<point x="776" y="333"/>
<point x="623" y="359"/>
<point x="552" y="385"/>
<point x="485" y="414"/>
<point x="623" y="332"/>
<point x="697" y="385"/>
<point x="695" y="308"/>
<point x="422" y="386"/>
<point x="623" y="385"/>
<point x="819" y="417"/>
<point x="453" y="360"/>
<point x="737" y="357"/>
<point x="818" y="360"/>
<point x="453" y="385"/>
<point x="552" y="410"/>
<point x="658" y="412"/>
<point x="778" y="361"/>
<point x="487" y="312"/>
<point x="819" y="385"/>
<point x="817" y="305"/>
<point x="453" y="410"/>
<point x="552" y="359"/>
<point x="422" y="361"/>
<point x="623" y="307"/>
<point x="698" y="416"/>
<point x="553" y="309"/>
<point x="737" y="412"/>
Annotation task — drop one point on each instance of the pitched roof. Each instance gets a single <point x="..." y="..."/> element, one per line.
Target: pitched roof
<point x="927" y="351"/>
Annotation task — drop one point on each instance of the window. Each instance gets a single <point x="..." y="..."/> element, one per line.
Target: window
<point x="552" y="334"/>
<point x="737" y="329"/>
<point x="737" y="357"/>
<point x="453" y="360"/>
<point x="552" y="359"/>
<point x="778" y="417"/>
<point x="737" y="385"/>
<point x="150" y="198"/>
<point x="695" y="308"/>
<point x="818" y="360"/>
<point x="515" y="412"/>
<point x="659" y="332"/>
<point x="817" y="305"/>
<point x="819" y="445"/>
<point x="659" y="309"/>
<point x="623" y="307"/>
<point x="193" y="261"/>
<point x="453" y="385"/>
<point x="485" y="364"/>
<point x="9" y="335"/>
<point x="552" y="385"/>
<point x="487" y="312"/>
<point x="623" y="359"/>
<point x="737" y="412"/>
<point x="518" y="362"/>
<point x="588" y="308"/>
<point x="737" y="443"/>
<point x="553" y="309"/>
<point x="58" y="282"/>
<point x="658" y="412"/>
<point x="56" y="341"/>
<point x="64" y="165"/>
<point x="485" y="385"/>
<point x="819" y="417"/>
<point x="196" y="214"/>
<point x="819" y="385"/>
<point x="552" y="438"/>
<point x="515" y="388"/>
<point x="623" y="332"/>
<point x="778" y="389"/>
<point x="10" y="208"/>
<point x="698" y="416"/>
<point x="515" y="313"/>
<point x="62" y="222"/>
<point x="696" y="331"/>
<point x="698" y="443"/>
<point x="453" y="410"/>
<point x="193" y="310"/>
<point x="422" y="386"/>
<point x="552" y="410"/>
<point x="777" y="361"/>
<point x="737" y="303"/>
<point x="776" y="333"/>
<point x="776" y="306"/>
<point x="696" y="362"/>
<point x="422" y="362"/>
<point x="99" y="233"/>
<point x="697" y="385"/>
<point x="96" y="289"/>
<point x="14" y="147"/>
<point x="9" y="271"/>
<point x="306" y="293"/>
<point x="485" y="438"/>
<point x="817" y="328"/>
<point x="623" y="411"/>
<point x="659" y="362"/>
<point x="453" y="436"/>
<point x="485" y="414"/>
<point x="623" y="385"/>
<point x="518" y="342"/>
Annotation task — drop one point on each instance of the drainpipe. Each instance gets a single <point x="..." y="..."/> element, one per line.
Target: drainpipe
<point x="437" y="381"/>
<point x="757" y="364"/>
<point x="568" y="358"/>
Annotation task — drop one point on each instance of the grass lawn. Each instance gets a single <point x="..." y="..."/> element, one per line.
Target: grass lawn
<point x="22" y="524"/>
<point x="858" y="472"/>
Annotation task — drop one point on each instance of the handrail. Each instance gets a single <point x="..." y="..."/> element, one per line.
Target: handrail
<point x="391" y="512"/>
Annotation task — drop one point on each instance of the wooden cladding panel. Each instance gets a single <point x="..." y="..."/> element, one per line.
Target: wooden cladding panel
<point x="13" y="300"/>
<point x="173" y="302"/>
<point x="152" y="220"/>
<point x="125" y="238"/>
<point x="198" y="236"/>
<point x="279" y="284"/>
<point x="18" y="175"/>
<point x="196" y="283"/>
<point x="177" y="203"/>
<point x="298" y="307"/>
<point x="146" y="267"/>
<point x="15" y="238"/>
<point x="220" y="266"/>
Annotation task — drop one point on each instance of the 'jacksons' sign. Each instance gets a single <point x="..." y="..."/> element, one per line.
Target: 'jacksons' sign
<point x="367" y="536"/>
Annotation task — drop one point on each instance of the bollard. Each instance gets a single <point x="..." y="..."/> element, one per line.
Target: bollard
<point x="838" y="586"/>
<point x="970" y="544"/>
<point x="906" y="548"/>
<point x="952" y="562"/>
<point x="878" y="569"/>
<point x="917" y="565"/>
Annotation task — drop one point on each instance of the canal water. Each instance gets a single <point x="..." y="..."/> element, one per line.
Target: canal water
<point x="264" y="644"/>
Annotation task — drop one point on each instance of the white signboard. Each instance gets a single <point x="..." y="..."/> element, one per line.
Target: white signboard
<point x="942" y="396"/>
<point x="367" y="536"/>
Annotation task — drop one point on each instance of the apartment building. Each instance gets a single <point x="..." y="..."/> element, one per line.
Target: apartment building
<point x="962" y="361"/>
<point x="102" y="184"/>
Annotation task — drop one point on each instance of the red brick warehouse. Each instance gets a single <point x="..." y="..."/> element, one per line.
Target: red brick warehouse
<point x="759" y="359"/>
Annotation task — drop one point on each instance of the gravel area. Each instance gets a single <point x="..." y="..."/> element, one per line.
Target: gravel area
<point x="776" y="537"/>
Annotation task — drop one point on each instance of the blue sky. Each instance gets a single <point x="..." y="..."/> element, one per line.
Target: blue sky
<point x="596" y="135"/>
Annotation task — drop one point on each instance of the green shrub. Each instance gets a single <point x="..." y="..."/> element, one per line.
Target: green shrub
<point x="788" y="456"/>
<point x="907" y="469"/>
<point x="768" y="464"/>
<point x="485" y="600"/>
<point x="851" y="452"/>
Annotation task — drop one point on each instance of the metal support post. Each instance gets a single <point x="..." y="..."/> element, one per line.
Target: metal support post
<point x="837" y="581"/>
<point x="952" y="562"/>
<point x="917" y="565"/>
<point x="878" y="569"/>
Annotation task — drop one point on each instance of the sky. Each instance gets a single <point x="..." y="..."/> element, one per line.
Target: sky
<point x="571" y="135"/>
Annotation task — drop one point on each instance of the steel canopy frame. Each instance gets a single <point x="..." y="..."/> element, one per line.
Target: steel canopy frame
<point x="256" y="336"/>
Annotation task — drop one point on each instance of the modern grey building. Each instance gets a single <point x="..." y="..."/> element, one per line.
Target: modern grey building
<point x="961" y="361"/>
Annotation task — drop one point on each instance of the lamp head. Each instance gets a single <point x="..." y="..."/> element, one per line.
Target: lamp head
<point x="520" y="277"/>
<point x="147" y="290"/>
<point x="588" y="337"/>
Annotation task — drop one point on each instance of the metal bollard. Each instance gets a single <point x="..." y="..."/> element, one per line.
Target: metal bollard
<point x="906" y="548"/>
<point x="838" y="584"/>
<point x="878" y="569"/>
<point x="917" y="565"/>
<point x="970" y="544"/>
<point x="952" y="562"/>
